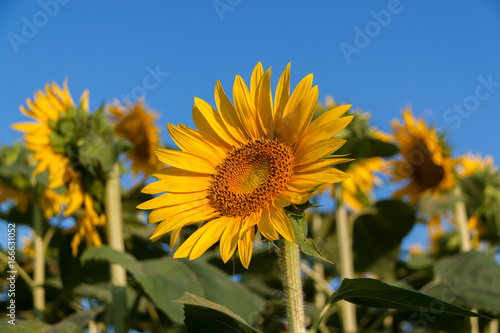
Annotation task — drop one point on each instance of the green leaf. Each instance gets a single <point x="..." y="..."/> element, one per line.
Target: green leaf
<point x="106" y="253"/>
<point x="205" y="316"/>
<point x="165" y="279"/>
<point x="158" y="277"/>
<point x="377" y="236"/>
<point x="307" y="245"/>
<point x="220" y="288"/>
<point x="377" y="294"/>
<point x="470" y="279"/>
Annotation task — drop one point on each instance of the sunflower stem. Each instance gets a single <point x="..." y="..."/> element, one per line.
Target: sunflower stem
<point x="292" y="286"/>
<point x="344" y="239"/>
<point x="464" y="240"/>
<point x="115" y="240"/>
<point x="461" y="220"/>
<point x="39" y="269"/>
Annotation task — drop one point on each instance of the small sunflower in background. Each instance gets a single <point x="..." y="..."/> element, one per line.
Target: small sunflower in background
<point x="425" y="163"/>
<point x="18" y="185"/>
<point x="362" y="181"/>
<point x="20" y="198"/>
<point x="135" y="122"/>
<point x="244" y="164"/>
<point x="469" y="164"/>
<point x="69" y="144"/>
<point x="483" y="170"/>
<point x="365" y="143"/>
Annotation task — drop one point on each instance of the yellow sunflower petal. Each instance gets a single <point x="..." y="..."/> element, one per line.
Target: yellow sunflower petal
<point x="164" y="213"/>
<point x="184" y="160"/>
<point x="281" y="223"/>
<point x="281" y="97"/>
<point x="195" y="144"/>
<point x="228" y="114"/>
<point x="245" y="247"/>
<point x="171" y="199"/>
<point x="209" y="121"/>
<point x="229" y="239"/>
<point x="308" y="154"/>
<point x="266" y="227"/>
<point x="307" y="181"/>
<point x="257" y="73"/>
<point x="265" y="104"/>
<point x="199" y="214"/>
<point x="178" y="184"/>
<point x="245" y="107"/>
<point x="173" y="237"/>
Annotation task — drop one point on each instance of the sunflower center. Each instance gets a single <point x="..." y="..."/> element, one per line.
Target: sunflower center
<point x="427" y="173"/>
<point x="250" y="177"/>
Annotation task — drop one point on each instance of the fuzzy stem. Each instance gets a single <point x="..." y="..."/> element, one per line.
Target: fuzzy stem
<point x="115" y="240"/>
<point x="464" y="240"/>
<point x="344" y="239"/>
<point x="39" y="269"/>
<point x="292" y="285"/>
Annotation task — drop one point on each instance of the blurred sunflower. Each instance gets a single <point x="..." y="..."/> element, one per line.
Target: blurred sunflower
<point x="47" y="109"/>
<point x="425" y="163"/>
<point x="468" y="166"/>
<point x="136" y="124"/>
<point x="55" y="114"/>
<point x="362" y="181"/>
<point x="244" y="165"/>
<point x="21" y="198"/>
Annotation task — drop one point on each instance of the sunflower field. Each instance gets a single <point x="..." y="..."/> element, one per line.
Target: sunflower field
<point x="276" y="213"/>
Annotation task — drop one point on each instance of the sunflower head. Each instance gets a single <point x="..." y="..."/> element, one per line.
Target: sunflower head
<point x="135" y="123"/>
<point x="76" y="148"/>
<point x="357" y="189"/>
<point x="246" y="161"/>
<point x="469" y="164"/>
<point x="425" y="162"/>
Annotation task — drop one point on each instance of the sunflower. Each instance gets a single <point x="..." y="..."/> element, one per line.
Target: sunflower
<point x="136" y="124"/>
<point x="49" y="109"/>
<point x="469" y="164"/>
<point x="362" y="181"/>
<point x="244" y="165"/>
<point x="21" y="198"/>
<point x="424" y="162"/>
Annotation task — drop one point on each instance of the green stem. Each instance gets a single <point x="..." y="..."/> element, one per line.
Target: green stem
<point x="292" y="285"/>
<point x="465" y="244"/>
<point x="461" y="221"/>
<point x="344" y="239"/>
<point x="39" y="269"/>
<point x="115" y="240"/>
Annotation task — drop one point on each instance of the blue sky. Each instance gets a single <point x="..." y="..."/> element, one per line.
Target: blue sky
<point x="440" y="57"/>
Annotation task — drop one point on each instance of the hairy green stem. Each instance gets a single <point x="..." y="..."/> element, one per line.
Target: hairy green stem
<point x="292" y="285"/>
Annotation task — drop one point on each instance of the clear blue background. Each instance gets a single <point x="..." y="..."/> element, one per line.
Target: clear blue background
<point x="430" y="55"/>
